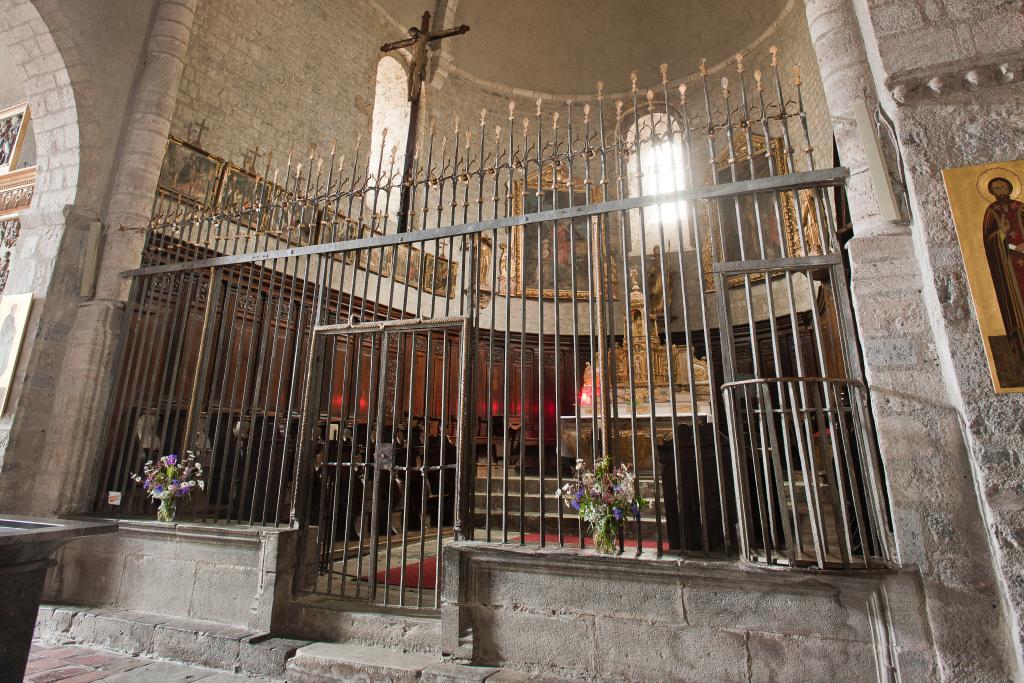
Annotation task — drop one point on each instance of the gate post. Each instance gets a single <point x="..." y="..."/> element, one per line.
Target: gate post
<point x="303" y="460"/>
<point x="465" y="463"/>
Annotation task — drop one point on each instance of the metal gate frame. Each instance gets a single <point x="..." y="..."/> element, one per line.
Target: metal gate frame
<point x="310" y="418"/>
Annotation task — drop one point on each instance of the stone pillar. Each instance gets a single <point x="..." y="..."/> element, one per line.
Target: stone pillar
<point x="937" y="521"/>
<point x="87" y="374"/>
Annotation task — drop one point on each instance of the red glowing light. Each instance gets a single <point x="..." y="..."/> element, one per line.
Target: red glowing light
<point x="585" y="398"/>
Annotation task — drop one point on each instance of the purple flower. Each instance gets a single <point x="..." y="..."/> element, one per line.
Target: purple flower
<point x="617" y="513"/>
<point x="158" y="489"/>
<point x="172" y="459"/>
<point x="636" y="510"/>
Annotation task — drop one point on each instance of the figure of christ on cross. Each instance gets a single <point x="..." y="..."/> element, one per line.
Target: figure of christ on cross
<point x="417" y="44"/>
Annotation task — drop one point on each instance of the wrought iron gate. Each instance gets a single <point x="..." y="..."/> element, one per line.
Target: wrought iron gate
<point x="382" y="443"/>
<point x="638" y="281"/>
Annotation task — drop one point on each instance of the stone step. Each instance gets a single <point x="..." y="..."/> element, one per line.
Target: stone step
<point x="337" y="619"/>
<point x="347" y="662"/>
<point x="206" y="643"/>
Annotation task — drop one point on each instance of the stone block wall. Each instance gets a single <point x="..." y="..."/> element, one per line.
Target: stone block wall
<point x="77" y="65"/>
<point x="239" y="576"/>
<point x="585" y="615"/>
<point x="951" y="449"/>
<point x="950" y="72"/>
<point x="281" y="77"/>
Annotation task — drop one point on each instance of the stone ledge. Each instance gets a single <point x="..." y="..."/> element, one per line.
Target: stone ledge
<point x="545" y="610"/>
<point x="690" y="571"/>
<point x="214" y="533"/>
<point x="346" y="662"/>
<point x="236" y="575"/>
<point x="206" y="643"/>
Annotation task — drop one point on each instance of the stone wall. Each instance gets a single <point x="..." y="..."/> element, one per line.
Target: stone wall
<point x="77" y="66"/>
<point x="585" y="615"/>
<point x="281" y="77"/>
<point x="952" y="68"/>
<point x="235" y="576"/>
<point x="932" y="398"/>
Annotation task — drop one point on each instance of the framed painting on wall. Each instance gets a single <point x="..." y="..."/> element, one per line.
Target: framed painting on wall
<point x="440" y="275"/>
<point x="14" y="309"/>
<point x="532" y="253"/>
<point x="189" y="173"/>
<point x="989" y="217"/>
<point x="13" y="124"/>
<point x="239" y="190"/>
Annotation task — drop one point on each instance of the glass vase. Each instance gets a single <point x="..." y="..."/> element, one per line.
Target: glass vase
<point x="165" y="513"/>
<point x="605" y="534"/>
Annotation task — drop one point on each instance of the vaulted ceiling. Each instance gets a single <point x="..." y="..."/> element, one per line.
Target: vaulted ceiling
<point x="566" y="46"/>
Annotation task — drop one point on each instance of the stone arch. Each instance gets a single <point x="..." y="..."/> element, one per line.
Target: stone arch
<point x="53" y="97"/>
<point x="46" y="260"/>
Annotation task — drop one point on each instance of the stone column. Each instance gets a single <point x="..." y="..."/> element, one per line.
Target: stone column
<point x="938" y="526"/>
<point x="87" y="373"/>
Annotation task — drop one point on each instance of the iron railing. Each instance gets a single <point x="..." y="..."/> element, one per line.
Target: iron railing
<point x="612" y="271"/>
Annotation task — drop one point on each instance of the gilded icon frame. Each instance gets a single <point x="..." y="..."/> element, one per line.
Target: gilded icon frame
<point x="168" y="181"/>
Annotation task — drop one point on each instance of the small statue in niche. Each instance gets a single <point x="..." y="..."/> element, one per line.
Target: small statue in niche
<point x="502" y="269"/>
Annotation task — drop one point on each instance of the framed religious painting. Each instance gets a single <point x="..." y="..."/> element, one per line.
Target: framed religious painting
<point x="188" y="173"/>
<point x="378" y="261"/>
<point x="554" y="252"/>
<point x="240" y="192"/>
<point x="440" y="275"/>
<point x="408" y="267"/>
<point x="729" y="228"/>
<point x="988" y="211"/>
<point x="14" y="309"/>
<point x="13" y="126"/>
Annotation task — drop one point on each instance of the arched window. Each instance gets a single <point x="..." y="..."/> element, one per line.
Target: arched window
<point x="656" y="166"/>
<point x="391" y="113"/>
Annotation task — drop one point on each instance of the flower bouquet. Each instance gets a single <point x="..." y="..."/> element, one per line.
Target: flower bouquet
<point x="170" y="479"/>
<point x="603" y="498"/>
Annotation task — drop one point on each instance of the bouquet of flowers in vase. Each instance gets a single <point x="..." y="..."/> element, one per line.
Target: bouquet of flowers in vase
<point x="604" y="499"/>
<point x="170" y="479"/>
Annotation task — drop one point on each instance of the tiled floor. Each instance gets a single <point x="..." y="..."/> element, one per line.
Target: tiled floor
<point x="75" y="664"/>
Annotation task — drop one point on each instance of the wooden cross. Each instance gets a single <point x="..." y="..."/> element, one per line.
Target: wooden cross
<point x="198" y="139"/>
<point x="418" y="41"/>
<point x="251" y="157"/>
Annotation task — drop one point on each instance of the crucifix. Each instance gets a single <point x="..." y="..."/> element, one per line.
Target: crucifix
<point x="418" y="40"/>
<point x="251" y="157"/>
<point x="198" y="139"/>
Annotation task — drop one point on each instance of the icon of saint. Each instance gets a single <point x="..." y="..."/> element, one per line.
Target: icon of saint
<point x="1003" y="232"/>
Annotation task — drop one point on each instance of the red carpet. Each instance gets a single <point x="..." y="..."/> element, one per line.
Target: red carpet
<point x="413" y="578"/>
